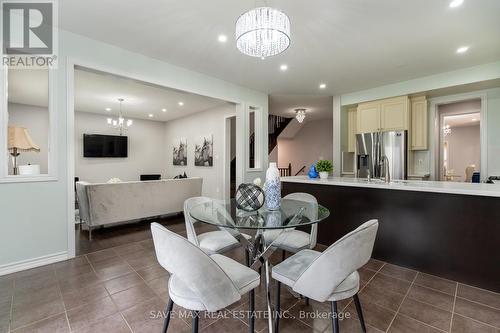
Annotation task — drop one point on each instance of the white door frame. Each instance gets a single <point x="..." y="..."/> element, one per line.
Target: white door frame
<point x="73" y="62"/>
<point x="226" y="169"/>
<point x="434" y="124"/>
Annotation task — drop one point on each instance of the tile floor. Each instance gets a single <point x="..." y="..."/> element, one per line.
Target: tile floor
<point x="117" y="286"/>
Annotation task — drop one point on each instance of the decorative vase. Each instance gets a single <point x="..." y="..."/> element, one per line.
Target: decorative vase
<point x="272" y="187"/>
<point x="323" y="175"/>
<point x="312" y="172"/>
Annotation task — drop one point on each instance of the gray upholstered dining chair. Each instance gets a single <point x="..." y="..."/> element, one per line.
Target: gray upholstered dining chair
<point x="331" y="275"/>
<point x="219" y="241"/>
<point x="296" y="240"/>
<point x="198" y="281"/>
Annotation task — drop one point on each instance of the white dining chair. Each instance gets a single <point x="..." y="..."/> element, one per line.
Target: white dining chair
<point x="198" y="281"/>
<point x="296" y="240"/>
<point x="331" y="275"/>
<point x="219" y="241"/>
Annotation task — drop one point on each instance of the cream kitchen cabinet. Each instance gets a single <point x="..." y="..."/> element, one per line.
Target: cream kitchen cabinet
<point x="419" y="124"/>
<point x="368" y="117"/>
<point x="352" y="129"/>
<point x="391" y="114"/>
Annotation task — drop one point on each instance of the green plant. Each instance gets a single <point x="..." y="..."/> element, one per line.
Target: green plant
<point x="324" y="166"/>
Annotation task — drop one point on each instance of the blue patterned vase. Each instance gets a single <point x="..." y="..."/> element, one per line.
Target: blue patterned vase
<point x="312" y="172"/>
<point x="272" y="188"/>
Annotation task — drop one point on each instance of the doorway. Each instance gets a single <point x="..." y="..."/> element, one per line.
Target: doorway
<point x="230" y="157"/>
<point x="460" y="141"/>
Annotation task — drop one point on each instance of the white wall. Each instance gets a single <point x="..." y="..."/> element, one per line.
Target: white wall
<point x="312" y="142"/>
<point x="146" y="150"/>
<point x="42" y="230"/>
<point x="194" y="128"/>
<point x="36" y="120"/>
<point x="464" y="149"/>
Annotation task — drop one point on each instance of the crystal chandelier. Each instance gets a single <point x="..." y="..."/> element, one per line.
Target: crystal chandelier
<point x="300" y="114"/>
<point x="263" y="32"/>
<point x="120" y="122"/>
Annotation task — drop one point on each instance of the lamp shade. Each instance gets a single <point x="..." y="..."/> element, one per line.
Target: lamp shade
<point x="20" y="139"/>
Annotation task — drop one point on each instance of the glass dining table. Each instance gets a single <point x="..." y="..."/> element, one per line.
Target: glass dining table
<point x="269" y="228"/>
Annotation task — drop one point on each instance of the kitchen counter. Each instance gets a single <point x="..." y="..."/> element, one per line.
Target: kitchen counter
<point x="482" y="189"/>
<point x="446" y="229"/>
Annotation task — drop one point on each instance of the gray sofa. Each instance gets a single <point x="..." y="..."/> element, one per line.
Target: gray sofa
<point x="105" y="204"/>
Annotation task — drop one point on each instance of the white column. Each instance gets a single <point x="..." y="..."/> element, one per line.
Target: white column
<point x="337" y="153"/>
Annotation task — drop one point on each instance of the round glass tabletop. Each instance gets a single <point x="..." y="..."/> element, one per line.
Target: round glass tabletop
<point x="292" y="213"/>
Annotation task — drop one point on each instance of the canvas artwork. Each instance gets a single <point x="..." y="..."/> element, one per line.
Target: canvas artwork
<point x="204" y="152"/>
<point x="180" y="152"/>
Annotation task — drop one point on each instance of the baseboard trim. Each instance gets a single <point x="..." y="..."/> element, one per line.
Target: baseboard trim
<point x="32" y="263"/>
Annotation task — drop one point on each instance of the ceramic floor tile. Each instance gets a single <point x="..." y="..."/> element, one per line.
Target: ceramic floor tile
<point x="466" y="325"/>
<point x="55" y="324"/>
<point x="153" y="272"/>
<point x="479" y="295"/>
<point x="112" y="324"/>
<point x="478" y="312"/>
<point x="374" y="264"/>
<point x="404" y="324"/>
<point x="132" y="296"/>
<point x="123" y="282"/>
<point x="28" y="314"/>
<point x="382" y="297"/>
<point x="433" y="297"/>
<point x="427" y="314"/>
<point x="81" y="296"/>
<point x="437" y="283"/>
<point x="90" y="313"/>
<point x="384" y="282"/>
<point x="399" y="272"/>
<point x="375" y="315"/>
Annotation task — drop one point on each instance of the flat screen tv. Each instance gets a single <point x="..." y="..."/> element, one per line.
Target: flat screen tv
<point x="97" y="145"/>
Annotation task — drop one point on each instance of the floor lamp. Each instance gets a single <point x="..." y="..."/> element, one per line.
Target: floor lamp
<point x="19" y="141"/>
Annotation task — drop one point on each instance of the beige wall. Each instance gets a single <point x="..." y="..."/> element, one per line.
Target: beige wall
<point x="312" y="142"/>
<point x="146" y="151"/>
<point x="194" y="127"/>
<point x="464" y="149"/>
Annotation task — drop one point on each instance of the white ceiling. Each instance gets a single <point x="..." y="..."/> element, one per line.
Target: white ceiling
<point x="348" y="44"/>
<point x="95" y="91"/>
<point x="463" y="120"/>
<point x="317" y="107"/>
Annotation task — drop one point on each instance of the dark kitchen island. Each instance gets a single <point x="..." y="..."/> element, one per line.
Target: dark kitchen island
<point x="451" y="230"/>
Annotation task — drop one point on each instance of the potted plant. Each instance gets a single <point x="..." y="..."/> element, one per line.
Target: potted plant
<point x="324" y="167"/>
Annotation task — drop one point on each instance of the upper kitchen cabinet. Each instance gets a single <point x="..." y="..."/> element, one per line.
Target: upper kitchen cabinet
<point x="419" y="123"/>
<point x="384" y="115"/>
<point x="368" y="117"/>
<point x="352" y="129"/>
<point x="394" y="114"/>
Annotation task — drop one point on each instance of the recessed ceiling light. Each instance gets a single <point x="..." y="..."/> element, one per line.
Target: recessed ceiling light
<point x="473" y="119"/>
<point x="181" y="103"/>
<point x="462" y="49"/>
<point x="164" y="110"/>
<point x="322" y="86"/>
<point x="284" y="67"/>
<point x="150" y="115"/>
<point x="108" y="109"/>
<point x="222" y="38"/>
<point x="456" y="3"/>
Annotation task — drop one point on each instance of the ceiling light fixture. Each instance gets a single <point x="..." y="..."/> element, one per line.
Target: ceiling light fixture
<point x="164" y="110"/>
<point x="181" y="103"/>
<point x="150" y="115"/>
<point x="456" y="3"/>
<point x="263" y="32"/>
<point x="120" y="122"/>
<point x="222" y="38"/>
<point x="462" y="49"/>
<point x="300" y="114"/>
<point x="108" y="109"/>
<point x="473" y="119"/>
<point x="284" y="67"/>
<point x="322" y="86"/>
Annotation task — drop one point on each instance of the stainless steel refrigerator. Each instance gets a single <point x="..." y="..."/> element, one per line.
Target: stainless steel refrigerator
<point x="372" y="150"/>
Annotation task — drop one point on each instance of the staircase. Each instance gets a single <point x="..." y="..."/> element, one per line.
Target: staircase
<point x="276" y="125"/>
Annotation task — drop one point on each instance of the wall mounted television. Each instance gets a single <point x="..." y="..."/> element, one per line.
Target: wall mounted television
<point x="97" y="145"/>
